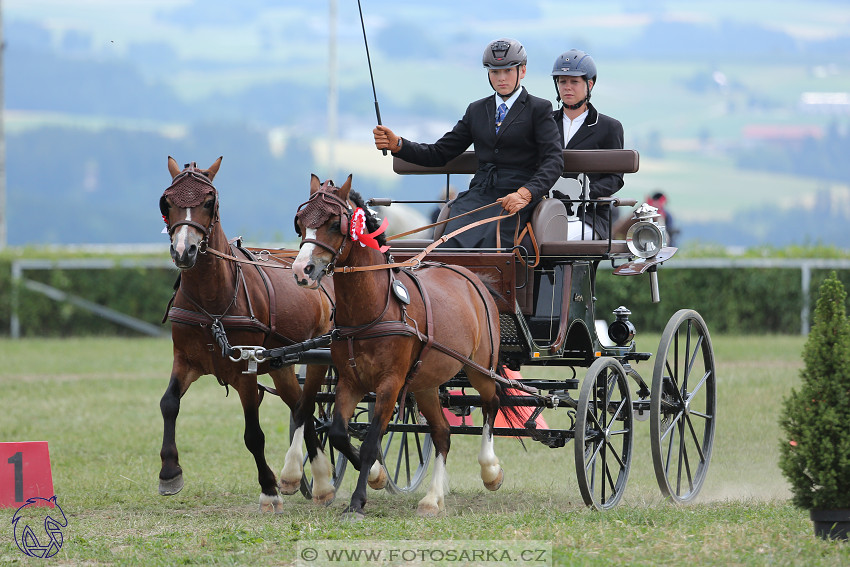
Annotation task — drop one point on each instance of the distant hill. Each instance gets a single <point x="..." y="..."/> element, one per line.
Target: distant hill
<point x="98" y="95"/>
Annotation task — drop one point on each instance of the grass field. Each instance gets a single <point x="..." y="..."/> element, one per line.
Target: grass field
<point x="96" y="401"/>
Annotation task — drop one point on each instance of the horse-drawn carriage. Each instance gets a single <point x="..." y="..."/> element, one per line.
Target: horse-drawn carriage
<point x="543" y="294"/>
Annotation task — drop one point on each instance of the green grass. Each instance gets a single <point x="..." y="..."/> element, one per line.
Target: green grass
<point x="96" y="401"/>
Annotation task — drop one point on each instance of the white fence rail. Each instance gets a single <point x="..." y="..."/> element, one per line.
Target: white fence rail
<point x="18" y="280"/>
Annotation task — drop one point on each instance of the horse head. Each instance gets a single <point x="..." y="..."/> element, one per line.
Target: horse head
<point x="323" y="223"/>
<point x="189" y="208"/>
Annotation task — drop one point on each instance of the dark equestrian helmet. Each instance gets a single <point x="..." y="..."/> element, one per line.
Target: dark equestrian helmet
<point x="504" y="53"/>
<point x="575" y="63"/>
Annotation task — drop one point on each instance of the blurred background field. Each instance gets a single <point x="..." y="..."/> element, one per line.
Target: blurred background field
<point x="738" y="109"/>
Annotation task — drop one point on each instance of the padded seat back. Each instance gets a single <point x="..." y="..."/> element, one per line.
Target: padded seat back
<point x="549" y="221"/>
<point x="445" y="212"/>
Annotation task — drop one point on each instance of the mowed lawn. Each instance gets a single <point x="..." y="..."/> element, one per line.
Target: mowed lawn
<point x="96" y="401"/>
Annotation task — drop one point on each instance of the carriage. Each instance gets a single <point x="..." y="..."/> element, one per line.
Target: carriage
<point x="547" y="318"/>
<point x="546" y="314"/>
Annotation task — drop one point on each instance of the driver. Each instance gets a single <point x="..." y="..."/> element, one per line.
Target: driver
<point x="516" y="143"/>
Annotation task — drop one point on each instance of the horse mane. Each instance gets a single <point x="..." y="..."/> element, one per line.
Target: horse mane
<point x="373" y="223"/>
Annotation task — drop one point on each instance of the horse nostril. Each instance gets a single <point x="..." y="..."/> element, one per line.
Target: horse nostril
<point x="308" y="269"/>
<point x="193" y="249"/>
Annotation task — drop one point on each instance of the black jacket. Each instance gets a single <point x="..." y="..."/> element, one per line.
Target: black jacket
<point x="598" y="132"/>
<point x="525" y="153"/>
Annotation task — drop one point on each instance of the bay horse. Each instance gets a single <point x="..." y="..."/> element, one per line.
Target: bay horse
<point x="396" y="333"/>
<point x="255" y="305"/>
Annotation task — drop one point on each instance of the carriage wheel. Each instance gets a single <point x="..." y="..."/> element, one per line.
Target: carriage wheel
<point x="603" y="434"/>
<point x="682" y="406"/>
<point x="406" y="455"/>
<point x="322" y="418"/>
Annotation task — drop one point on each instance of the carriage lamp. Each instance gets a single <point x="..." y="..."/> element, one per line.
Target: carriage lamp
<point x="621" y="331"/>
<point x="645" y="238"/>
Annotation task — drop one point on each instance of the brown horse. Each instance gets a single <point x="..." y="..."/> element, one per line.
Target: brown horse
<point x="255" y="306"/>
<point x="396" y="332"/>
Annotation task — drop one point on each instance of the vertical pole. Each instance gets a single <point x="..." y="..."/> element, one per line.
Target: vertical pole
<point x="332" y="90"/>
<point x="17" y="275"/>
<point x="806" y="273"/>
<point x="3" y="216"/>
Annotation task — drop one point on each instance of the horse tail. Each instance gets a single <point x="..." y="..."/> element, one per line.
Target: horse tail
<point x="514" y="416"/>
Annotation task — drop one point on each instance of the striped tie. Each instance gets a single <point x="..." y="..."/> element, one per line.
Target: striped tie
<point x="500" y="115"/>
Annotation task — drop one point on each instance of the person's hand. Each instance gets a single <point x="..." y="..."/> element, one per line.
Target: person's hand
<point x="515" y="201"/>
<point x="386" y="140"/>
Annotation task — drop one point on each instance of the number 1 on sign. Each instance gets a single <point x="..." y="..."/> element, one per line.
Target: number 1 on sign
<point x="18" y="460"/>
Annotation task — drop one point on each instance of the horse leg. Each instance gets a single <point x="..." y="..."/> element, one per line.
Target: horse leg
<point x="255" y="441"/>
<point x="491" y="471"/>
<point x="305" y="431"/>
<point x="344" y="403"/>
<point x="384" y="405"/>
<point x="434" y="501"/>
<point x="171" y="474"/>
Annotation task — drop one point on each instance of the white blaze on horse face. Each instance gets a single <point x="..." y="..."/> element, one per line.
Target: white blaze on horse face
<point x="304" y="259"/>
<point x="180" y="240"/>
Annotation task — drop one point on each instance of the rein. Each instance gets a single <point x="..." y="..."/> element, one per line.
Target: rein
<point x="417" y="260"/>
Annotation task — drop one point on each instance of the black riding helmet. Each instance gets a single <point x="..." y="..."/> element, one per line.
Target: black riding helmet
<point x="503" y="54"/>
<point x="574" y="63"/>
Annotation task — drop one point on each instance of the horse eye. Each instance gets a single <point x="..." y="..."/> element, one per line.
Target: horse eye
<point x="335" y="225"/>
<point x="209" y="204"/>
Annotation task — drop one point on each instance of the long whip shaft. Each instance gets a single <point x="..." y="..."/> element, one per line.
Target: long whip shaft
<point x="371" y="76"/>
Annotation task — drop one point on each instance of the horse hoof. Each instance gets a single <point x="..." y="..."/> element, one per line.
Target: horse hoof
<point x="496" y="483"/>
<point x="172" y="486"/>
<point x="381" y="481"/>
<point x="428" y="510"/>
<point x="289" y="487"/>
<point x="324" y="499"/>
<point x="353" y="516"/>
<point x="271" y="504"/>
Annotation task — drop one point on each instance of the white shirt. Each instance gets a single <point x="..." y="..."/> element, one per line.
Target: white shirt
<point x="572" y="126"/>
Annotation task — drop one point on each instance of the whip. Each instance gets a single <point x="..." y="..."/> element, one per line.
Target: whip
<point x="371" y="76"/>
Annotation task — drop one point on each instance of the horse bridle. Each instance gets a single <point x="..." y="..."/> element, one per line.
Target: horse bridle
<point x="192" y="173"/>
<point x="321" y="205"/>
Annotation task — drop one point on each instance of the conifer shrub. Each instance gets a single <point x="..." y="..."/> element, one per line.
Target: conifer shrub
<point x="815" y="454"/>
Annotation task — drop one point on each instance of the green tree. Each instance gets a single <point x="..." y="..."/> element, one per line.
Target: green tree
<point x="815" y="456"/>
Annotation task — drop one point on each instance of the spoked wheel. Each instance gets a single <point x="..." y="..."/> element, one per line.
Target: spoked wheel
<point x="682" y="406"/>
<point x="405" y="454"/>
<point x="322" y="418"/>
<point x="603" y="434"/>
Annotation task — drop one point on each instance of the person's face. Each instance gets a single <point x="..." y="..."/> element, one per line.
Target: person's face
<point x="505" y="81"/>
<point x="572" y="89"/>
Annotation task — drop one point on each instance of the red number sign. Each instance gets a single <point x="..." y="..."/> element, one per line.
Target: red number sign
<point x="24" y="473"/>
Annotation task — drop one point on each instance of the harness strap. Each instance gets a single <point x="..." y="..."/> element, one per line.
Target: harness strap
<point x="260" y="262"/>
<point x="270" y="291"/>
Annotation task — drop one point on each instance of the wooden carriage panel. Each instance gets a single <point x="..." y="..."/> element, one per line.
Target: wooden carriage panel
<point x="497" y="269"/>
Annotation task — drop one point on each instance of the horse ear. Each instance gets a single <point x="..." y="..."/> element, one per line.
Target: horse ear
<point x="346" y="187"/>
<point x="315" y="183"/>
<point x="213" y="169"/>
<point x="173" y="168"/>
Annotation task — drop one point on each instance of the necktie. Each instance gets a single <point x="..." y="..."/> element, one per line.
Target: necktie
<point x="500" y="115"/>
